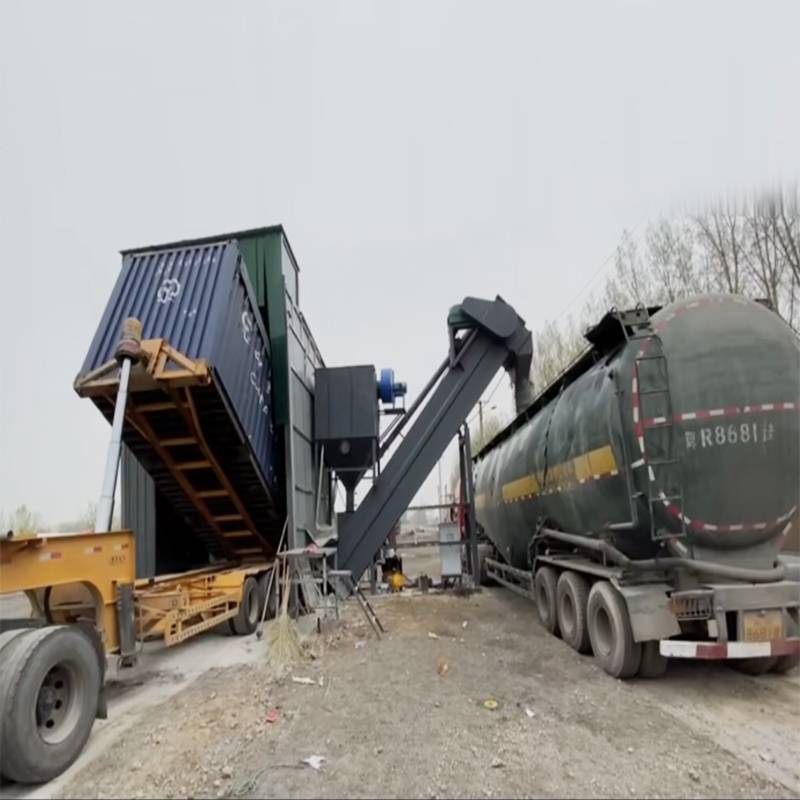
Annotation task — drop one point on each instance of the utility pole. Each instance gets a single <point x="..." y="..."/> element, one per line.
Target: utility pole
<point x="440" y="488"/>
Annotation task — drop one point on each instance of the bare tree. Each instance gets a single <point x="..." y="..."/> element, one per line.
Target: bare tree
<point x="554" y="348"/>
<point x="23" y="520"/>
<point x="723" y="234"/>
<point x="671" y="259"/>
<point x="85" y="522"/>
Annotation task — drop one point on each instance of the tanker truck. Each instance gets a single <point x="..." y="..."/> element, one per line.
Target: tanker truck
<point x="643" y="497"/>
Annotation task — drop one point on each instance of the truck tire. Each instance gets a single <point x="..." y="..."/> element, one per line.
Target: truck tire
<point x="610" y="632"/>
<point x="653" y="665"/>
<point x="52" y="683"/>
<point x="544" y="589"/>
<point x="246" y="620"/>
<point x="10" y="642"/>
<point x="572" y="598"/>
<point x="754" y="666"/>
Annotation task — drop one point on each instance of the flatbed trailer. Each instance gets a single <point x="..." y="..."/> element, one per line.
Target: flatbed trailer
<point x="87" y="606"/>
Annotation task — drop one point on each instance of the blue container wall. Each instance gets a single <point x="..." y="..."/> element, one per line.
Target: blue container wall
<point x="199" y="299"/>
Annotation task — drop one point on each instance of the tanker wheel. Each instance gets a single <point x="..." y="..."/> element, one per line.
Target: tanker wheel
<point x="754" y="666"/>
<point x="246" y="620"/>
<point x="787" y="662"/>
<point x="653" y="665"/>
<point x="572" y="597"/>
<point x="544" y="589"/>
<point x="610" y="632"/>
<point x="51" y="680"/>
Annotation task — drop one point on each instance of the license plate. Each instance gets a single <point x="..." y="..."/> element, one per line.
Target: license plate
<point x="762" y="626"/>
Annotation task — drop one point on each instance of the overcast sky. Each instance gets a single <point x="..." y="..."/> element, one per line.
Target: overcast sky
<point x="416" y="152"/>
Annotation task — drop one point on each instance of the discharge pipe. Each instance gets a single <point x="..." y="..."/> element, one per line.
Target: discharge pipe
<point x="693" y="565"/>
<point x="128" y="351"/>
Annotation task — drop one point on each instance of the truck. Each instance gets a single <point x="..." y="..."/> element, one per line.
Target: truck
<point x="643" y="498"/>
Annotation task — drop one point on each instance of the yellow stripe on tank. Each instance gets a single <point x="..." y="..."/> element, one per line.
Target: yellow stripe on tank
<point x="522" y="487"/>
<point x="592" y="465"/>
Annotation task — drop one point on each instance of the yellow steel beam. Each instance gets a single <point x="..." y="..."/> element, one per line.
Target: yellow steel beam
<point x="100" y="562"/>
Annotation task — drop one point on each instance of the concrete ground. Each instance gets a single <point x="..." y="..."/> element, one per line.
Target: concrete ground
<point x="407" y="716"/>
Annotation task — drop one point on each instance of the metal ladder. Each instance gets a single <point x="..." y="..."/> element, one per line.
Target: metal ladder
<point x="658" y="429"/>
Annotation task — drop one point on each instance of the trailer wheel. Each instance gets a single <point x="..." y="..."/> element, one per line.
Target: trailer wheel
<point x="51" y="685"/>
<point x="10" y="642"/>
<point x="572" y="597"/>
<point x="653" y="665"/>
<point x="754" y="666"/>
<point x="244" y="623"/>
<point x="610" y="632"/>
<point x="544" y="589"/>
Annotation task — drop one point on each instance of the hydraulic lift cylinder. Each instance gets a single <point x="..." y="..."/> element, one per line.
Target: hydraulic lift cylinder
<point x="127" y="352"/>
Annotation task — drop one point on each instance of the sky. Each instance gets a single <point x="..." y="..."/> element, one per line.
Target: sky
<point x="416" y="153"/>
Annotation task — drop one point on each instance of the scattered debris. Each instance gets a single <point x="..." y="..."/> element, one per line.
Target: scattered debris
<point x="226" y="772"/>
<point x="497" y="763"/>
<point x="378" y="751"/>
<point x="315" y="762"/>
<point x="630" y="749"/>
<point x="272" y="715"/>
<point x="432" y="635"/>
<point x="693" y="774"/>
<point x="464" y="624"/>
<point x="361" y="644"/>
<point x="530" y="713"/>
<point x="768" y="757"/>
<point x="304" y="681"/>
<point x="491" y="705"/>
<point x="443" y="667"/>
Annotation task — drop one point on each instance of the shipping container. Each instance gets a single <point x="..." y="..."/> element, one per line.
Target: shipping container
<point x="198" y="298"/>
<point x="167" y="525"/>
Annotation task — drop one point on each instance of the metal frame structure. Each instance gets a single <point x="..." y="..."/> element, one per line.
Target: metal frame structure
<point x="165" y="368"/>
<point x="483" y="336"/>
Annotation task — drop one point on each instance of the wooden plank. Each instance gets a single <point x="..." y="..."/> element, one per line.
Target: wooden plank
<point x="228" y="517"/>
<point x="178" y="441"/>
<point x="212" y="493"/>
<point x="193" y="465"/>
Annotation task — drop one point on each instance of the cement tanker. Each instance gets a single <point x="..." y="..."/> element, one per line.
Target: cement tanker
<point x="669" y="454"/>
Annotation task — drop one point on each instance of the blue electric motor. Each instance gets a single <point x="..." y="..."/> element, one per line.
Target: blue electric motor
<point x="388" y="389"/>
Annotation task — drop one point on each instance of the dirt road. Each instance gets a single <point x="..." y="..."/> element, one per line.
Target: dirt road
<point x="407" y="717"/>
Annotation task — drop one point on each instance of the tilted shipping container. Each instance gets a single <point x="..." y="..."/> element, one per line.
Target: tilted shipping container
<point x="209" y="444"/>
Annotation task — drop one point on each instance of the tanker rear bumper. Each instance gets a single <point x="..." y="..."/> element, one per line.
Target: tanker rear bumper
<point x="678" y="648"/>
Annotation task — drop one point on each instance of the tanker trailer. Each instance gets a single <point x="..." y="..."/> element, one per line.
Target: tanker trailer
<point x="643" y="498"/>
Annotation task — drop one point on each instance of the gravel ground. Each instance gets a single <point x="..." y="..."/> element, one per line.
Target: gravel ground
<point x="406" y="717"/>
